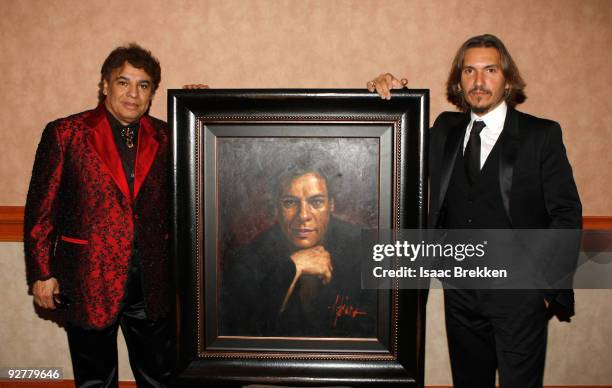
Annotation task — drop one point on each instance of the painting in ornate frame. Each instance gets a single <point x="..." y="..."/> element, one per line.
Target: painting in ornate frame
<point x="228" y="148"/>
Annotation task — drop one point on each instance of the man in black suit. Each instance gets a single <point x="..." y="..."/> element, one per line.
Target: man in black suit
<point x="493" y="167"/>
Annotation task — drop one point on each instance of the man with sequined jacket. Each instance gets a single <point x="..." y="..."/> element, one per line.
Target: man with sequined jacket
<point x="96" y="226"/>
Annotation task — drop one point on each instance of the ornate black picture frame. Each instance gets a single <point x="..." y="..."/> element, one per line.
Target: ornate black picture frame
<point x="227" y="146"/>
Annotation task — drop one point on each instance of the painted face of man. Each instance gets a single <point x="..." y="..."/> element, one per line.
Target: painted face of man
<point x="482" y="79"/>
<point x="304" y="210"/>
<point x="128" y="93"/>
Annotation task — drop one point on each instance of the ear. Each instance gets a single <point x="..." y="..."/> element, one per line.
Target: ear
<point x="332" y="205"/>
<point x="105" y="87"/>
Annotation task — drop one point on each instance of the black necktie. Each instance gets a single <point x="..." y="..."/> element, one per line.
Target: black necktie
<point x="471" y="156"/>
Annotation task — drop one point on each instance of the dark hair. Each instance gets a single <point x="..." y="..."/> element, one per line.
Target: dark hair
<point x="514" y="96"/>
<point x="138" y="57"/>
<point x="310" y="164"/>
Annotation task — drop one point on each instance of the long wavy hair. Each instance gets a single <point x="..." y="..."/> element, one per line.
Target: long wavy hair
<point x="515" y="93"/>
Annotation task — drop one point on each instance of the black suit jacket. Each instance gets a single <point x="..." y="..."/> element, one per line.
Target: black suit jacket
<point x="535" y="178"/>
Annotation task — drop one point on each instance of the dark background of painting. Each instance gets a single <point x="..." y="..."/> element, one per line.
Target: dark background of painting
<point x="249" y="166"/>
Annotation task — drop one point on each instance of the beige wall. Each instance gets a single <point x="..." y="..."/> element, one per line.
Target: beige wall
<point x="27" y="340"/>
<point x="51" y="52"/>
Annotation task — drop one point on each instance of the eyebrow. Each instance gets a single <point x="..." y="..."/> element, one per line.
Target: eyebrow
<point x="484" y="67"/>
<point x="289" y="196"/>
<point x="316" y="196"/>
<point x="124" y="78"/>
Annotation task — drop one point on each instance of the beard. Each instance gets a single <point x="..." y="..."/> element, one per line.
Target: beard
<point x="480" y="109"/>
<point x="484" y="108"/>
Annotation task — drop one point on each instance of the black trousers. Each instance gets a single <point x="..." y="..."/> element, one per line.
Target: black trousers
<point x="490" y="330"/>
<point x="94" y="352"/>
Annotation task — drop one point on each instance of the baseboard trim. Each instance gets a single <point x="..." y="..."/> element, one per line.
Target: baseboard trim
<point x="132" y="384"/>
<point x="53" y="384"/>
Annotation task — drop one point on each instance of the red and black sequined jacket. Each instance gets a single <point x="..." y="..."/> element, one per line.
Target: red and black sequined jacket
<point x="80" y="218"/>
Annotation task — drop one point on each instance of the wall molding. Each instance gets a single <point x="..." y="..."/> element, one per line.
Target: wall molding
<point x="11" y="223"/>
<point x="597" y="222"/>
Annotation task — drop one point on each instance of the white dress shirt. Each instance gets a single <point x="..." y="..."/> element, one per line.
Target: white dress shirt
<point x="494" y="124"/>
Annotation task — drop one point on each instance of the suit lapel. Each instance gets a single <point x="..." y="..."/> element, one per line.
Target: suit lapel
<point x="145" y="155"/>
<point x="507" y="157"/>
<point x="102" y="141"/>
<point x="451" y="148"/>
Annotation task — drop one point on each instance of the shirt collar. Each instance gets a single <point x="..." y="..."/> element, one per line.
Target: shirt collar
<point x="494" y="119"/>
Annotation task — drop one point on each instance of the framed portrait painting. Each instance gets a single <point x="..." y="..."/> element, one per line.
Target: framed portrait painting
<point x="271" y="192"/>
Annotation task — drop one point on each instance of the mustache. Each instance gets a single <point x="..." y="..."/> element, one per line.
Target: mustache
<point x="479" y="89"/>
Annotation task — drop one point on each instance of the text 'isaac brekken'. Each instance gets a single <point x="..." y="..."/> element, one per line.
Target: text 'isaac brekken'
<point x="456" y="272"/>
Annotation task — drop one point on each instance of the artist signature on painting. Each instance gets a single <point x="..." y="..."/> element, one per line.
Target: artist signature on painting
<point x="343" y="308"/>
